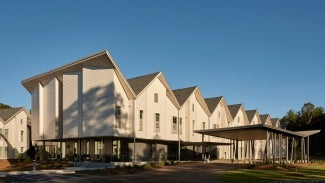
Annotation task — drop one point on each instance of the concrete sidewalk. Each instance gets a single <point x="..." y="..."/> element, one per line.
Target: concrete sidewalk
<point x="59" y="171"/>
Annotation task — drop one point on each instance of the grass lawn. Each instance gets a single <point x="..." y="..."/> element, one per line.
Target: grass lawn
<point x="276" y="173"/>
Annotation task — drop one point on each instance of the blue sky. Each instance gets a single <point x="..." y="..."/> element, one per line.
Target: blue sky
<point x="268" y="55"/>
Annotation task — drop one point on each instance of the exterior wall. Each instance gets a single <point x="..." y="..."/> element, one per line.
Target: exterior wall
<point x="72" y="98"/>
<point x="219" y="119"/>
<point x="14" y="143"/>
<point x="164" y="107"/>
<point x="98" y="102"/>
<point x="37" y="113"/>
<point x="255" y="120"/>
<point x="242" y="119"/>
<point x="51" y="109"/>
<point x="193" y="119"/>
<point x="122" y="100"/>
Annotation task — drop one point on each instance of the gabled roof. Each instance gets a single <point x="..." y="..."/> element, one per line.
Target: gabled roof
<point x="250" y="114"/>
<point x="183" y="94"/>
<point x="138" y="85"/>
<point x="213" y="102"/>
<point x="141" y="82"/>
<point x="234" y="109"/>
<point x="101" y="59"/>
<point x="275" y="122"/>
<point x="8" y="114"/>
<point x="264" y="118"/>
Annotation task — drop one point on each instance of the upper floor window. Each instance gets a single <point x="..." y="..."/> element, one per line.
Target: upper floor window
<point x="174" y="125"/>
<point x="193" y="107"/>
<point x="203" y="125"/>
<point x="117" y="116"/>
<point x="141" y="120"/>
<point x="6" y="133"/>
<point x="21" y="121"/>
<point x="219" y="115"/>
<point x="215" y="126"/>
<point x="21" y="136"/>
<point x="238" y="119"/>
<point x="157" y="122"/>
<point x="156" y="97"/>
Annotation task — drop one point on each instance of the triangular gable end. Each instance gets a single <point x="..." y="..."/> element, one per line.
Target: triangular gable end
<point x="201" y="101"/>
<point x="100" y="59"/>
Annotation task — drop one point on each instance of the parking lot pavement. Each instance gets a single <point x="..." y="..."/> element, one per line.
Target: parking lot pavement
<point x="186" y="172"/>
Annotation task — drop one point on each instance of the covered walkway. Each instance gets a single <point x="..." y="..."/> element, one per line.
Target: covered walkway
<point x="276" y="141"/>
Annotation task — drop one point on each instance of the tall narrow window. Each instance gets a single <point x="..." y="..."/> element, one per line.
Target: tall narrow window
<point x="98" y="147"/>
<point x="6" y="133"/>
<point x="157" y="121"/>
<point x="219" y="114"/>
<point x="203" y="125"/>
<point x="238" y="119"/>
<point x="156" y="97"/>
<point x="117" y="116"/>
<point x="180" y="126"/>
<point x="21" y="136"/>
<point x="193" y="127"/>
<point x="141" y="120"/>
<point x="21" y="121"/>
<point x="193" y="107"/>
<point x="174" y="125"/>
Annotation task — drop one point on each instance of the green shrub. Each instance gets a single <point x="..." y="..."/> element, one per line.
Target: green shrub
<point x="43" y="154"/>
<point x="28" y="160"/>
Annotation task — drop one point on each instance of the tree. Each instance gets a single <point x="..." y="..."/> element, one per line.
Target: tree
<point x="4" y="106"/>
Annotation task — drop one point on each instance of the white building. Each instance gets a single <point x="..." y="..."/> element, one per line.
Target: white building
<point x="14" y="133"/>
<point x="88" y="109"/>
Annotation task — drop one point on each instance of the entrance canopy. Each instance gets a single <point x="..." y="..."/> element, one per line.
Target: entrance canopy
<point x="253" y="132"/>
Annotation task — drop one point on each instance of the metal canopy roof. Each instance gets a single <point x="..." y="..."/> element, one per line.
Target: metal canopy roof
<point x="252" y="132"/>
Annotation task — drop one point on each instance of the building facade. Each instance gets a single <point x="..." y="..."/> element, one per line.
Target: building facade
<point x="14" y="133"/>
<point x="88" y="110"/>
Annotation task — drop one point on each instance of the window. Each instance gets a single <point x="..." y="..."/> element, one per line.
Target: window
<point x="6" y="152"/>
<point x="21" y="136"/>
<point x="141" y="120"/>
<point x="238" y="119"/>
<point x="219" y="115"/>
<point x="6" y="133"/>
<point x="21" y="121"/>
<point x="156" y="97"/>
<point x="98" y="147"/>
<point x="117" y="116"/>
<point x="180" y="125"/>
<point x="193" y="107"/>
<point x="215" y="126"/>
<point x="87" y="147"/>
<point x="203" y="125"/>
<point x="193" y="127"/>
<point x="21" y="149"/>
<point x="157" y="119"/>
<point x="174" y="125"/>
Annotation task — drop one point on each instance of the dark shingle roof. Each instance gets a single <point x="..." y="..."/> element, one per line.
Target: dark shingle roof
<point x="234" y="109"/>
<point x="250" y="114"/>
<point x="264" y="118"/>
<point x="139" y="83"/>
<point x="273" y="121"/>
<point x="5" y="114"/>
<point x="212" y="102"/>
<point x="183" y="94"/>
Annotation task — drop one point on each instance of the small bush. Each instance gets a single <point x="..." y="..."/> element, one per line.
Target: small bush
<point x="28" y="160"/>
<point x="251" y="166"/>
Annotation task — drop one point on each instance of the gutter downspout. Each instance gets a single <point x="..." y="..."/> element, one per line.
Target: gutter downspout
<point x="134" y="128"/>
<point x="179" y="140"/>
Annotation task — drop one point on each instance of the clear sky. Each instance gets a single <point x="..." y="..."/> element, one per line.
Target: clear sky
<point x="268" y="55"/>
